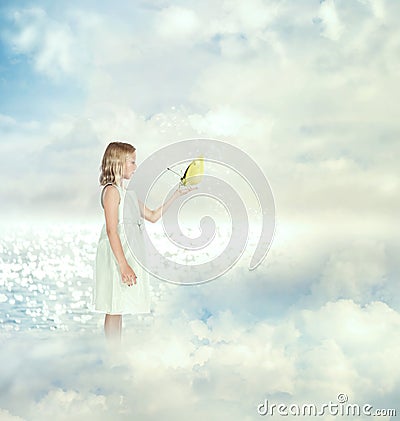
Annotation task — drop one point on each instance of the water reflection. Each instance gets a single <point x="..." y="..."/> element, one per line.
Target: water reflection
<point x="46" y="277"/>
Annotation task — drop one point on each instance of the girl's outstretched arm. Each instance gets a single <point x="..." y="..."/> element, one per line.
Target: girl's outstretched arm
<point x="155" y="215"/>
<point x="111" y="201"/>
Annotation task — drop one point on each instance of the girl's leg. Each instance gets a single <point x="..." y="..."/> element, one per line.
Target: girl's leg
<point x="112" y="327"/>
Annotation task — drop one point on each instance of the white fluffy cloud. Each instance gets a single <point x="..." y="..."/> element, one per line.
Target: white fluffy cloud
<point x="332" y="26"/>
<point x="214" y="367"/>
<point x="6" y="416"/>
<point x="50" y="43"/>
<point x="355" y="271"/>
<point x="177" y="24"/>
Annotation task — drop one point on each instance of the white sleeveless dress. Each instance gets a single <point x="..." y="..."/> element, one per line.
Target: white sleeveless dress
<point x="110" y="294"/>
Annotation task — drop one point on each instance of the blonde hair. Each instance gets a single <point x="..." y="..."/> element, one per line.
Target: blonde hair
<point x="112" y="165"/>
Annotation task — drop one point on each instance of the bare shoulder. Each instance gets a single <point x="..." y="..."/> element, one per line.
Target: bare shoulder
<point x="110" y="195"/>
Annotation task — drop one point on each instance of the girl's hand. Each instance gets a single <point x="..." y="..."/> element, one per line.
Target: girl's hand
<point x="181" y="191"/>
<point x="128" y="276"/>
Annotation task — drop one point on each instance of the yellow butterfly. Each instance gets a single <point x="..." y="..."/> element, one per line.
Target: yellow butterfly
<point x="193" y="173"/>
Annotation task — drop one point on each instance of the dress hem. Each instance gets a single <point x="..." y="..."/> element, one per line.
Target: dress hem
<point x="120" y="313"/>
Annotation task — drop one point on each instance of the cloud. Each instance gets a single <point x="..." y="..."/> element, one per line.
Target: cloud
<point x="282" y="332"/>
<point x="52" y="167"/>
<point x="356" y="271"/>
<point x="6" y="121"/>
<point x="355" y="333"/>
<point x="377" y="7"/>
<point x="6" y="416"/>
<point x="177" y="24"/>
<point x="49" y="42"/>
<point x="209" y="367"/>
<point x="228" y="121"/>
<point x="332" y="26"/>
<point x="75" y="44"/>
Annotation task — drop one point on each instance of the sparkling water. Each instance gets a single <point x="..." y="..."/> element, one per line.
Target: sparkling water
<point x="46" y="277"/>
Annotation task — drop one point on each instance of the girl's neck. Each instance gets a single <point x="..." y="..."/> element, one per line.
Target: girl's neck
<point x="123" y="183"/>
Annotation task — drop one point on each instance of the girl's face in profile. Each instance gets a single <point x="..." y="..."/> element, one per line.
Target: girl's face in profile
<point x="130" y="165"/>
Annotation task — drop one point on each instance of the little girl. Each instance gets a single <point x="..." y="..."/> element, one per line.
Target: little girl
<point x="122" y="285"/>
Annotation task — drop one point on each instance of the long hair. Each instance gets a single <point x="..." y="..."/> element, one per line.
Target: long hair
<point x="112" y="165"/>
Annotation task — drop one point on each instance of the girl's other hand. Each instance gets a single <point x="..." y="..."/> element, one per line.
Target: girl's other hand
<point x="128" y="276"/>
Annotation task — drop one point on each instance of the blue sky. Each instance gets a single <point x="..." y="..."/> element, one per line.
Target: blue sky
<point x="310" y="91"/>
<point x="25" y="93"/>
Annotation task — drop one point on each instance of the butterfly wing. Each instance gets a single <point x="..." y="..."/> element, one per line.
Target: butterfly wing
<point x="194" y="172"/>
